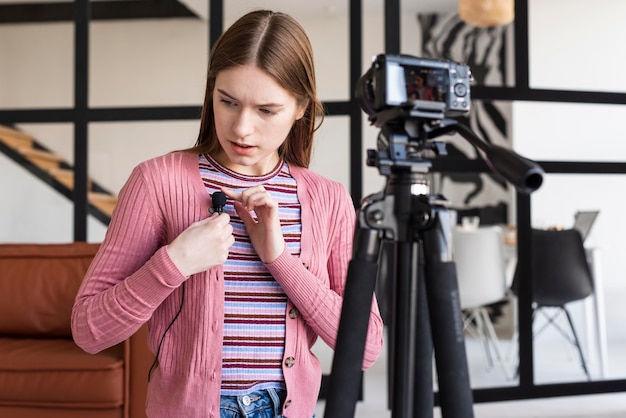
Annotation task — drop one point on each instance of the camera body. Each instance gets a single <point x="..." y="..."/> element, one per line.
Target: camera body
<point x="426" y="88"/>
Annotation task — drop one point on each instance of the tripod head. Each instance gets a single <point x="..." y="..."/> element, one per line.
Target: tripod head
<point x="415" y="100"/>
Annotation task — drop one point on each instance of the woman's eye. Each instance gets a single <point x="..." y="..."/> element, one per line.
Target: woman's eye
<point x="227" y="102"/>
<point x="269" y="111"/>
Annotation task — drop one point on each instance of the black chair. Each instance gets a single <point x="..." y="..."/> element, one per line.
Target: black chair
<point x="560" y="274"/>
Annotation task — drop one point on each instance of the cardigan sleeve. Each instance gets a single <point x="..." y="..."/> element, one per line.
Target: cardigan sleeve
<point x="318" y="291"/>
<point x="130" y="275"/>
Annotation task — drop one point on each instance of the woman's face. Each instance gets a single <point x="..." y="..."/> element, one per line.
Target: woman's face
<point x="253" y="116"/>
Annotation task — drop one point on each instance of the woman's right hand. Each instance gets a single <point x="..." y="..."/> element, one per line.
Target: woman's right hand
<point x="203" y="245"/>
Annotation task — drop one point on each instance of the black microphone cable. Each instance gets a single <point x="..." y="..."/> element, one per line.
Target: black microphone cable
<point x="180" y="309"/>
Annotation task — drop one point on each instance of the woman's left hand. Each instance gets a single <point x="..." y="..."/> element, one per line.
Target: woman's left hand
<point x="265" y="231"/>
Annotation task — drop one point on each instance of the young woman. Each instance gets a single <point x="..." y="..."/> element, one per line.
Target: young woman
<point x="233" y="301"/>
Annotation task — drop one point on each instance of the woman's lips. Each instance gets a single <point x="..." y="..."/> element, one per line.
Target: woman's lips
<point x="242" y="148"/>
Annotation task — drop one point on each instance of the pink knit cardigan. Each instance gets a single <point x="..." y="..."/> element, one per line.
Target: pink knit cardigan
<point x="132" y="281"/>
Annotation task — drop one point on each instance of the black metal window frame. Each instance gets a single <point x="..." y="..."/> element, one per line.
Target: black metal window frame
<point x="81" y="115"/>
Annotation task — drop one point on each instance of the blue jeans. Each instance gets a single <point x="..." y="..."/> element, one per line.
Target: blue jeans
<point x="266" y="403"/>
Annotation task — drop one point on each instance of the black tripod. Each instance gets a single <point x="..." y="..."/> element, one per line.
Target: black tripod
<point x="426" y="314"/>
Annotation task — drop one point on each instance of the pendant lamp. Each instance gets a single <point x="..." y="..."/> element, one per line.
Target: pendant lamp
<point x="486" y="13"/>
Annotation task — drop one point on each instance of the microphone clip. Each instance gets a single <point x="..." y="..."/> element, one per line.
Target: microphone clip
<point x="219" y="200"/>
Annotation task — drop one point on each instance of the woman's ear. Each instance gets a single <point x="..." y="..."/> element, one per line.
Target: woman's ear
<point x="302" y="109"/>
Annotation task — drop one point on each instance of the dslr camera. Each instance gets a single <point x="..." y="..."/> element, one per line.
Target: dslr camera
<point x="404" y="86"/>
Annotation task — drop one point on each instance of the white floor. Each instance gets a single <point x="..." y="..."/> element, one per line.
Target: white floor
<point x="554" y="362"/>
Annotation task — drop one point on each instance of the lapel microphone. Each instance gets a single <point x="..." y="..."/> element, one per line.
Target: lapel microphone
<point x="219" y="200"/>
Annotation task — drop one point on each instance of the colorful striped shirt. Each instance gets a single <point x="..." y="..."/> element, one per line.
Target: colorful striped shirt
<point x="254" y="305"/>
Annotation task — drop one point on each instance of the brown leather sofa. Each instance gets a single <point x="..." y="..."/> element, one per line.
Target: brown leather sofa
<point x="43" y="373"/>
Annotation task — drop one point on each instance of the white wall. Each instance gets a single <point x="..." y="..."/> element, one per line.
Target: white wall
<point x="46" y="217"/>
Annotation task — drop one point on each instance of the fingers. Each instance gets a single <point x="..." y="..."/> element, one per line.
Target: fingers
<point x="232" y="194"/>
<point x="244" y="214"/>
<point x="216" y="227"/>
<point x="251" y="198"/>
<point x="263" y="226"/>
<point x="218" y="218"/>
<point x="203" y="245"/>
<point x="219" y="225"/>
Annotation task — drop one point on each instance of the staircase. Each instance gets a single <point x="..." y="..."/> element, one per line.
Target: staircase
<point x="53" y="170"/>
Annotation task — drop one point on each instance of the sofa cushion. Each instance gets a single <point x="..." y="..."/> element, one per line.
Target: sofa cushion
<point x="42" y="281"/>
<point x="56" y="372"/>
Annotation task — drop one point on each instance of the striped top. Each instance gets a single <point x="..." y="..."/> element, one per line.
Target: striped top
<point x="254" y="304"/>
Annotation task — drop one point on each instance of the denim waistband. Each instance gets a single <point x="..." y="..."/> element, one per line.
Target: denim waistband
<point x="265" y="403"/>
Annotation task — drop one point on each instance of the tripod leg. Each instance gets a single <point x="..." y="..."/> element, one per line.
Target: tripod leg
<point x="455" y="392"/>
<point x="411" y="352"/>
<point x="345" y="376"/>
<point x="424" y="398"/>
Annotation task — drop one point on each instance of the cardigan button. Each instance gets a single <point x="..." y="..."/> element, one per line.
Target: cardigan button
<point x="287" y="403"/>
<point x="293" y="313"/>
<point x="290" y="361"/>
<point x="306" y="266"/>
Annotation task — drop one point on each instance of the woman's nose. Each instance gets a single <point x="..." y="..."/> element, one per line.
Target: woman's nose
<point x="243" y="124"/>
